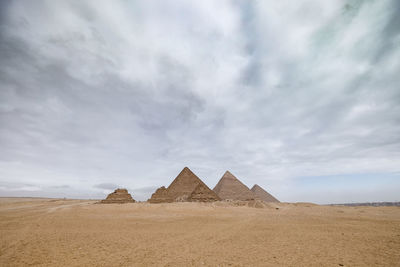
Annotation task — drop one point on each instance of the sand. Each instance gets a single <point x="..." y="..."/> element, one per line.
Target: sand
<point x="49" y="232"/>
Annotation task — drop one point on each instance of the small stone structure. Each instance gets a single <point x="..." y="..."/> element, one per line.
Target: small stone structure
<point x="119" y="196"/>
<point x="203" y="194"/>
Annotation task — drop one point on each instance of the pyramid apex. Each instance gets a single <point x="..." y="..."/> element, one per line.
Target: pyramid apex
<point x="187" y="170"/>
<point x="229" y="175"/>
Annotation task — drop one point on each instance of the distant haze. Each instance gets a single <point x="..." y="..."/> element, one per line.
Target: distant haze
<point x="300" y="97"/>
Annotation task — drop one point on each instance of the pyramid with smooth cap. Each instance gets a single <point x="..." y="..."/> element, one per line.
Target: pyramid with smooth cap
<point x="262" y="194"/>
<point x="186" y="187"/>
<point x="119" y="196"/>
<point x="229" y="187"/>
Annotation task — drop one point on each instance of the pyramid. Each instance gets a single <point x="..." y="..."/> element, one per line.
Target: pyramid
<point x="229" y="187"/>
<point x="118" y="196"/>
<point x="183" y="185"/>
<point x="203" y="194"/>
<point x="262" y="194"/>
<point x="160" y="196"/>
<point x="182" y="189"/>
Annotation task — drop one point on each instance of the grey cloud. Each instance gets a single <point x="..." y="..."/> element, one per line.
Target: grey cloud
<point x="145" y="189"/>
<point x="61" y="186"/>
<point x="269" y="90"/>
<point x="109" y="186"/>
<point x="390" y="32"/>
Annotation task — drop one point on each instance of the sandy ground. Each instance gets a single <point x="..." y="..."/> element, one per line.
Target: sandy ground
<point x="49" y="232"/>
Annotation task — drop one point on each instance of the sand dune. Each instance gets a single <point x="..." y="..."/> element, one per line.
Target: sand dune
<point x="46" y="232"/>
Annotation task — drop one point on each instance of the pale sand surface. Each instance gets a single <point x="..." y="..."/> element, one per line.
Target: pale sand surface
<point x="49" y="232"/>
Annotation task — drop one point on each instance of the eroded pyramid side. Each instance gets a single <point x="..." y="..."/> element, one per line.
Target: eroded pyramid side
<point x="160" y="196"/>
<point x="203" y="193"/>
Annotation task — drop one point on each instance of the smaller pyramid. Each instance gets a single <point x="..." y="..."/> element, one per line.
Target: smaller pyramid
<point x="203" y="194"/>
<point x="160" y="196"/>
<point x="229" y="187"/>
<point x="262" y="194"/>
<point x="119" y="196"/>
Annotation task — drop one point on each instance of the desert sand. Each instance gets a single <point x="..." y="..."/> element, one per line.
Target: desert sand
<point x="56" y="232"/>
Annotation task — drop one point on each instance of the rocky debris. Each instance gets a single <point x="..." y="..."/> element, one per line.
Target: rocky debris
<point x="186" y="187"/>
<point x="230" y="188"/>
<point x="119" y="196"/>
<point x="262" y="194"/>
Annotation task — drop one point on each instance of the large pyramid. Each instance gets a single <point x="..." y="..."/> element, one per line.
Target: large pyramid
<point x="229" y="187"/>
<point x="262" y="194"/>
<point x="186" y="187"/>
<point x="118" y="196"/>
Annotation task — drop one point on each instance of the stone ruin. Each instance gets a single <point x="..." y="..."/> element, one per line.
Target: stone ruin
<point x="119" y="196"/>
<point x="186" y="187"/>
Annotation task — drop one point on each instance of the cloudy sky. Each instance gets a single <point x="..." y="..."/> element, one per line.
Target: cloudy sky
<point x="301" y="98"/>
